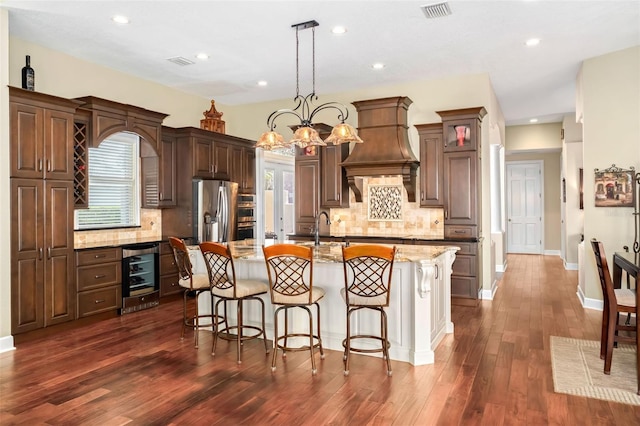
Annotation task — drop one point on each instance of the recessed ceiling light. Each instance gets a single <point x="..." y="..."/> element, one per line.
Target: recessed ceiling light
<point x="377" y="66"/>
<point x="262" y="83"/>
<point x="120" y="19"/>
<point x="533" y="120"/>
<point x="338" y="30"/>
<point x="202" y="56"/>
<point x="532" y="42"/>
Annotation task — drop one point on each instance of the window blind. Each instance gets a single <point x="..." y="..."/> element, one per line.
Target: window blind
<point x="113" y="184"/>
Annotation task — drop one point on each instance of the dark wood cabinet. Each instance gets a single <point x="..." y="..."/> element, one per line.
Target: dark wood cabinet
<point x="42" y="292"/>
<point x="431" y="165"/>
<point x="307" y="191"/>
<point x="41" y="135"/>
<point x="202" y="156"/>
<point x="334" y="187"/>
<point x="222" y="161"/>
<point x="243" y="168"/>
<point x="168" y="271"/>
<point x="461" y="132"/>
<point x="159" y="173"/>
<point x="99" y="280"/>
<point x="41" y="209"/>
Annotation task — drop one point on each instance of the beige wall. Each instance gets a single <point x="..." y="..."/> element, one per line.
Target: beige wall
<point x="6" y="341"/>
<point x="611" y="130"/>
<point x="551" y="193"/>
<point x="69" y="77"/>
<point x="534" y="137"/>
<point x="573" y="216"/>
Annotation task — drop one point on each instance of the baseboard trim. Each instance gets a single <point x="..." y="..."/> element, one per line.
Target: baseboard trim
<point x="589" y="303"/>
<point x="503" y="267"/>
<point x="6" y="344"/>
<point x="489" y="294"/>
<point x="570" y="266"/>
<point x="552" y="252"/>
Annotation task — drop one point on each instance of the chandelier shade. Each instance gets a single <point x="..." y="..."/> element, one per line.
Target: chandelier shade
<point x="305" y="135"/>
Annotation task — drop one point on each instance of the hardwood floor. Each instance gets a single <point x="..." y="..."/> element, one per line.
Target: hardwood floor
<point x="494" y="370"/>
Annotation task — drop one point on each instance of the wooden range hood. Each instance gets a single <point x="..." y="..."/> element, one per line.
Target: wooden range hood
<point x="382" y="125"/>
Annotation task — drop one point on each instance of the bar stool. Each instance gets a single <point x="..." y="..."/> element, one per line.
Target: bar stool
<point x="193" y="284"/>
<point x="290" y="271"/>
<point x="367" y="280"/>
<point x="226" y="287"/>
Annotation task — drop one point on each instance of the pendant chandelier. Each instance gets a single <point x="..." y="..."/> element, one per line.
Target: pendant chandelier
<point x="305" y="135"/>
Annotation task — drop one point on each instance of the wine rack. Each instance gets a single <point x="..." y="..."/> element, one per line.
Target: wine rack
<point x="80" y="165"/>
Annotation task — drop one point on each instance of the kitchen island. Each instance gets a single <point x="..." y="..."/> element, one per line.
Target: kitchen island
<point x="419" y="313"/>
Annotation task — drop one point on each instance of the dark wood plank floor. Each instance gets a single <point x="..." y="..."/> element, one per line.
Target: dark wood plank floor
<point x="494" y="370"/>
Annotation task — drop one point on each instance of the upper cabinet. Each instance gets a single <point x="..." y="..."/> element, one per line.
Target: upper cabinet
<point x="243" y="168"/>
<point x="41" y="135"/>
<point x="334" y="187"/>
<point x="159" y="173"/>
<point x="222" y="161"/>
<point x="108" y="117"/>
<point x="431" y="165"/>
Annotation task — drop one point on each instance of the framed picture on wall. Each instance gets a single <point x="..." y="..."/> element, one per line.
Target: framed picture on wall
<point x="614" y="187"/>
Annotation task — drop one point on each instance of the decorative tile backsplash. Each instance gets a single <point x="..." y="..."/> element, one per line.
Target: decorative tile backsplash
<point x="150" y="227"/>
<point x="415" y="220"/>
<point x="385" y="202"/>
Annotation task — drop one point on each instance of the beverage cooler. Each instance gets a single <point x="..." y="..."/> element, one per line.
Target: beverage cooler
<point x="140" y="282"/>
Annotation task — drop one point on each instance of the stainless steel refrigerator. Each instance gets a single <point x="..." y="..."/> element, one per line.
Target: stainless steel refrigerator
<point x="214" y="210"/>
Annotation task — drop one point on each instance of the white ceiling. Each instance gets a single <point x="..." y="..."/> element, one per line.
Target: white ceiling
<point x="253" y="40"/>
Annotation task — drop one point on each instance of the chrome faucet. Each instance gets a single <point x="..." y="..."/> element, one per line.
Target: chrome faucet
<point x="316" y="232"/>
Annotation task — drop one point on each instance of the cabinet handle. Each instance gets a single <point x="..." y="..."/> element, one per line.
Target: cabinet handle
<point x="446" y="214"/>
<point x="210" y="168"/>
<point x="98" y="256"/>
<point x="40" y="253"/>
<point x="40" y="165"/>
<point x="422" y="195"/>
<point x="48" y="252"/>
<point x="437" y="272"/>
<point x="99" y="276"/>
<point x="459" y="232"/>
<point x="161" y="198"/>
<point x="48" y="165"/>
<point x="99" y="301"/>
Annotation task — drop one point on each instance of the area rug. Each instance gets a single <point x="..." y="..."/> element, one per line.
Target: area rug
<point x="578" y="370"/>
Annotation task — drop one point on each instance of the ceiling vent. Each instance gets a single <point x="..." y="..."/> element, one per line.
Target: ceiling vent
<point x="436" y="10"/>
<point x="179" y="60"/>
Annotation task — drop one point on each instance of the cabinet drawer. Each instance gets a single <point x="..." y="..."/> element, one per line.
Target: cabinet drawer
<point x="304" y="228"/>
<point x="95" y="256"/>
<point x="165" y="248"/>
<point x="464" y="287"/>
<point x="465" y="248"/>
<point x="101" y="300"/>
<point x="460" y="231"/>
<point x="169" y="285"/>
<point x="95" y="276"/>
<point x="168" y="264"/>
<point x="464" y="265"/>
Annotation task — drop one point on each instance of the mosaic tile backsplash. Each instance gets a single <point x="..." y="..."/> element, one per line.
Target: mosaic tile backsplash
<point x="150" y="227"/>
<point x="381" y="196"/>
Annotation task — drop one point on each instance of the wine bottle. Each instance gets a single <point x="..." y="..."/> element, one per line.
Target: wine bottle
<point x="28" y="76"/>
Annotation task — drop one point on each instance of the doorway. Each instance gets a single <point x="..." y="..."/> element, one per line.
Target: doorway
<point x="524" y="207"/>
<point x="279" y="196"/>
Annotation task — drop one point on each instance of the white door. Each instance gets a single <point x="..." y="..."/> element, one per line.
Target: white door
<point x="279" y="181"/>
<point x="524" y="207"/>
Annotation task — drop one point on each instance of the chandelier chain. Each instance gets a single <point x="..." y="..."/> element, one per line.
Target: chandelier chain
<point x="313" y="61"/>
<point x="297" y="64"/>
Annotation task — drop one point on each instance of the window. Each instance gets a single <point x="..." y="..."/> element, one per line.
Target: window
<point x="114" y="199"/>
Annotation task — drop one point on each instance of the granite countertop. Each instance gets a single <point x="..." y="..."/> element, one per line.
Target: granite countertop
<point x="119" y="242"/>
<point x="403" y="238"/>
<point x="332" y="252"/>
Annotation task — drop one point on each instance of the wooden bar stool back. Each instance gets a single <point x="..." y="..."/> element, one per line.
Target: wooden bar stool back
<point x="616" y="300"/>
<point x="290" y="271"/>
<point x="193" y="285"/>
<point x="367" y="285"/>
<point x="226" y="287"/>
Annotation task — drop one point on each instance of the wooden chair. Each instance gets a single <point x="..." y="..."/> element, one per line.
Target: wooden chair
<point x="193" y="285"/>
<point x="226" y="287"/>
<point x="290" y="271"/>
<point x="616" y="300"/>
<point x="367" y="285"/>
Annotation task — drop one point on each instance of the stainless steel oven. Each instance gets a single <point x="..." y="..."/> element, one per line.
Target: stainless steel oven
<point x="246" y="211"/>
